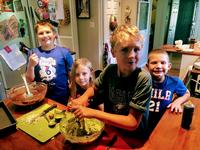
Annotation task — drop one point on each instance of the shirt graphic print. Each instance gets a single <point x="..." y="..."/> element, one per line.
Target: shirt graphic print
<point x="48" y="70"/>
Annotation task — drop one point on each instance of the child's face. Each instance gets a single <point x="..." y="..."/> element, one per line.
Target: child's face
<point x="46" y="36"/>
<point x="158" y="66"/>
<point x="83" y="76"/>
<point x="127" y="56"/>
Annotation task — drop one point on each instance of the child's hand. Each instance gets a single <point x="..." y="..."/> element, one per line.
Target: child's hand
<point x="175" y="107"/>
<point x="79" y="101"/>
<point x="33" y="60"/>
<point x="82" y="111"/>
<point x="74" y="102"/>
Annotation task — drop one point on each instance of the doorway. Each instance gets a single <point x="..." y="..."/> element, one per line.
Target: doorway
<point x="184" y="21"/>
<point x="169" y="19"/>
<point x="111" y="13"/>
<point x="139" y="16"/>
<point x="159" y="23"/>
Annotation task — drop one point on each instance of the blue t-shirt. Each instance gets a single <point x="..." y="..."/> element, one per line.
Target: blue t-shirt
<point x="162" y="94"/>
<point x="52" y="69"/>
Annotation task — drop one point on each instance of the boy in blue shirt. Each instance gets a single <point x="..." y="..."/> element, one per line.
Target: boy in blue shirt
<point x="50" y="63"/>
<point x="164" y="87"/>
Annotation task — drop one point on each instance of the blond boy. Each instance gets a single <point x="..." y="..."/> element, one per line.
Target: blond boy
<point x="124" y="88"/>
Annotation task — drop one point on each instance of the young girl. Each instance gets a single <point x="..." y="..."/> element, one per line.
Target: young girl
<point x="82" y="77"/>
<point x="50" y="63"/>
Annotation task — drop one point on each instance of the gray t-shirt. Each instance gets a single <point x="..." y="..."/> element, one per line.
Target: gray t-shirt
<point x="119" y="93"/>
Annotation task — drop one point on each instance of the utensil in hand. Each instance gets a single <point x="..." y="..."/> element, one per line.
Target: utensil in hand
<point x="29" y="94"/>
<point x="43" y="112"/>
<point x="112" y="141"/>
<point x="82" y="130"/>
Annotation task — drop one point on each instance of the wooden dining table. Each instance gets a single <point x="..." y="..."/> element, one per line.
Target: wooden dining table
<point x="169" y="135"/>
<point x="20" y="140"/>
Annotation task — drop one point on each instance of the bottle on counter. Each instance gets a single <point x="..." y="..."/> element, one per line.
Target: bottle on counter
<point x="188" y="109"/>
<point x="192" y="42"/>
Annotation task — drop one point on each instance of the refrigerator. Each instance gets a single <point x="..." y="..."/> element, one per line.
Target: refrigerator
<point x="16" y="25"/>
<point x="17" y="19"/>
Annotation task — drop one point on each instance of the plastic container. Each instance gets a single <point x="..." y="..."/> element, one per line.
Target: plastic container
<point x="192" y="42"/>
<point x="187" y="116"/>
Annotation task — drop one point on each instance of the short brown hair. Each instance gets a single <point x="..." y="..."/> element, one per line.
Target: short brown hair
<point x="158" y="51"/>
<point x="44" y="23"/>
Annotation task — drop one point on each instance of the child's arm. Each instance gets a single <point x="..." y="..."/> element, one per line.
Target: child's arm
<point x="83" y="99"/>
<point x="129" y="122"/>
<point x="33" y="61"/>
<point x="176" y="104"/>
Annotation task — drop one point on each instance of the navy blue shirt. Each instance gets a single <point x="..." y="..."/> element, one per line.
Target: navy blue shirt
<point x="162" y="95"/>
<point x="52" y="69"/>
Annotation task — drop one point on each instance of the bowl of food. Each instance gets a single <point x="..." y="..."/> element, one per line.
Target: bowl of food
<point x="18" y="94"/>
<point x="80" y="131"/>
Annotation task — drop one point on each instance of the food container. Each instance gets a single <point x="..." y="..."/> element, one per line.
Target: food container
<point x="187" y="115"/>
<point x="19" y="96"/>
<point x="7" y="121"/>
<point x="70" y="125"/>
<point x="192" y="42"/>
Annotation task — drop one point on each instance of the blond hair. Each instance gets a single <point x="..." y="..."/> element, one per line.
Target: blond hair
<point x="123" y="33"/>
<point x="84" y="62"/>
<point x="158" y="51"/>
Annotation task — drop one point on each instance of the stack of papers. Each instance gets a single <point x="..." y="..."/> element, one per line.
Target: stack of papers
<point x="13" y="56"/>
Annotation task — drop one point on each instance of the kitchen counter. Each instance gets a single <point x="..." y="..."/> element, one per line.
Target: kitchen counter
<point x="187" y="58"/>
<point x="173" y="49"/>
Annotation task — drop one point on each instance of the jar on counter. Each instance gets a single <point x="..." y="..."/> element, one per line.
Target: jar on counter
<point x="192" y="42"/>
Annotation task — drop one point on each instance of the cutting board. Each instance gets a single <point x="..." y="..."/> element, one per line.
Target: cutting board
<point x="38" y="129"/>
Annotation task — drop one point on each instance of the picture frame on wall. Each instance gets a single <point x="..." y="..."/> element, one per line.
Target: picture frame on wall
<point x="83" y="9"/>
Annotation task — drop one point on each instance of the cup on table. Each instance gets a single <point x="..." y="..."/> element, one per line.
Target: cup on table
<point x="188" y="109"/>
<point x="178" y="43"/>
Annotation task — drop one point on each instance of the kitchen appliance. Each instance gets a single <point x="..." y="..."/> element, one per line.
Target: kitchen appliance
<point x="17" y="18"/>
